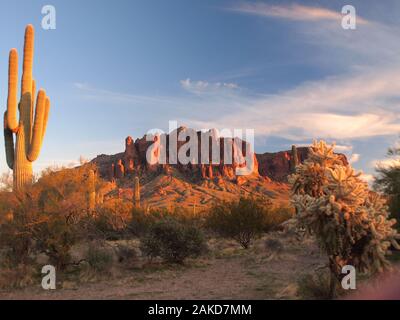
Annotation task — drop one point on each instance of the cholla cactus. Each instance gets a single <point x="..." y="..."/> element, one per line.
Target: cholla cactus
<point x="349" y="221"/>
<point x="30" y="127"/>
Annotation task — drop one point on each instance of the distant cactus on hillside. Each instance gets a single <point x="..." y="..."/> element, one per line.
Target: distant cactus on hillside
<point x="91" y="193"/>
<point x="349" y="221"/>
<point x="30" y="128"/>
<point x="136" y="193"/>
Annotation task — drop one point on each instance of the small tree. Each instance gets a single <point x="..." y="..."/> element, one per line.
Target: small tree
<point x="388" y="181"/>
<point x="173" y="241"/>
<point x="242" y="220"/>
<point x="349" y="221"/>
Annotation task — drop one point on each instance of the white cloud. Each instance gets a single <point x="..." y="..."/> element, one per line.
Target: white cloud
<point x="386" y="163"/>
<point x="369" y="178"/>
<point x="352" y="106"/>
<point x="292" y="12"/>
<point x="362" y="103"/>
<point x="343" y="148"/>
<point x="355" y="157"/>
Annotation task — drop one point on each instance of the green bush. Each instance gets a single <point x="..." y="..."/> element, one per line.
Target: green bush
<point x="99" y="258"/>
<point x="111" y="220"/>
<point x="126" y="254"/>
<point x="173" y="241"/>
<point x="242" y="221"/>
<point x="316" y="286"/>
<point x="55" y="238"/>
<point x="388" y="182"/>
<point x="31" y="232"/>
<point x="142" y="221"/>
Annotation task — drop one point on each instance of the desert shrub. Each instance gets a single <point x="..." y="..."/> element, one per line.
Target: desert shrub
<point x="173" y="241"/>
<point x="99" y="258"/>
<point x="142" y="220"/>
<point x="113" y="218"/>
<point x="275" y="216"/>
<point x="242" y="220"/>
<point x="126" y="254"/>
<point x="273" y="246"/>
<point x="349" y="221"/>
<point x="33" y="231"/>
<point x="55" y="238"/>
<point x="18" y="276"/>
<point x="64" y="189"/>
<point x="32" y="234"/>
<point x="48" y="217"/>
<point x="315" y="286"/>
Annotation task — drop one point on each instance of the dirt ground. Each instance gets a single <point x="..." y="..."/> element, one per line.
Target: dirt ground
<point x="227" y="272"/>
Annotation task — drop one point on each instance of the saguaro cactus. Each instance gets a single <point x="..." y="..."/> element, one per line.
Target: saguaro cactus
<point x="294" y="160"/>
<point x="30" y="128"/>
<point x="136" y="193"/>
<point x="91" y="193"/>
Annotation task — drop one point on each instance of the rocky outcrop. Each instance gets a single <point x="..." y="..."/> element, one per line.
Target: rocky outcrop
<point x="277" y="166"/>
<point x="144" y="155"/>
<point x="133" y="161"/>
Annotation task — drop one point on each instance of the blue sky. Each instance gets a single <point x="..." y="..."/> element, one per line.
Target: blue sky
<point x="285" y="68"/>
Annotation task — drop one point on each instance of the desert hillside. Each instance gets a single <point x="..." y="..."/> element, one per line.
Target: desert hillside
<point x="195" y="187"/>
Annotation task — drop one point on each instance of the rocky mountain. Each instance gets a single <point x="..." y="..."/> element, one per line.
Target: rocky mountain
<point x="195" y="185"/>
<point x="271" y="166"/>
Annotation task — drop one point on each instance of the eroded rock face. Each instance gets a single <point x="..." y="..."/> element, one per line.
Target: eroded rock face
<point x="272" y="166"/>
<point x="130" y="155"/>
<point x="276" y="166"/>
<point x="119" y="170"/>
<point x="157" y="148"/>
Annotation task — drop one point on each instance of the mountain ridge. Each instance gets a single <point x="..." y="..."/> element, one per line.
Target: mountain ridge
<point x="195" y="186"/>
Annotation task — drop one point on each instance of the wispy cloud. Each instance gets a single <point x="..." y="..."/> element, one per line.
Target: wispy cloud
<point x="292" y="12"/>
<point x="361" y="103"/>
<point x="343" y="148"/>
<point x="357" y="105"/>
<point x="92" y="93"/>
<point x="386" y="163"/>
<point x="206" y="87"/>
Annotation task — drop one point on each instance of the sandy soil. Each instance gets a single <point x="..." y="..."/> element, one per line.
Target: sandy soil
<point x="228" y="272"/>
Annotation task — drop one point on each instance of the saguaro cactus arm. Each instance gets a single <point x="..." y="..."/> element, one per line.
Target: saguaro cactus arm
<point x="8" y="143"/>
<point x="38" y="126"/>
<point x="33" y="100"/>
<point x="12" y="102"/>
<point x="28" y="61"/>
<point x="46" y="117"/>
